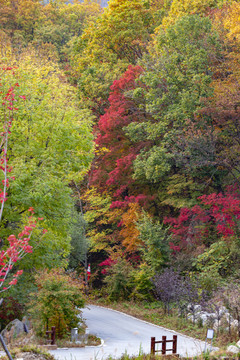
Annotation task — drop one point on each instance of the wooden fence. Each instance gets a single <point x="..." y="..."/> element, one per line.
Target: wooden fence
<point x="164" y="342"/>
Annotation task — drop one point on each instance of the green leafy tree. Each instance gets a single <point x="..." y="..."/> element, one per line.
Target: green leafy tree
<point x="51" y="144"/>
<point x="215" y="264"/>
<point x="155" y="242"/>
<point x="118" y="280"/>
<point x="177" y="77"/>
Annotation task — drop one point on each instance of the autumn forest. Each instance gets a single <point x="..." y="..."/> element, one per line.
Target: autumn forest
<point x="124" y="143"/>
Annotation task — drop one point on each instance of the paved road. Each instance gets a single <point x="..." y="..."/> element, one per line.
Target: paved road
<point x="123" y="333"/>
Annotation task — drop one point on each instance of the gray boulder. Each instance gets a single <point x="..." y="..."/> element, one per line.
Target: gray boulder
<point x="12" y="331"/>
<point x="233" y="349"/>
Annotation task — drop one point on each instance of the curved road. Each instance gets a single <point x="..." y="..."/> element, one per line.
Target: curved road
<point x="121" y="333"/>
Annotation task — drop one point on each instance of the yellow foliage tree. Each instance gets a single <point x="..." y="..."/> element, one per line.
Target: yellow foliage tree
<point x="227" y="22"/>
<point x="180" y="8"/>
<point x="129" y="231"/>
<point x="121" y="32"/>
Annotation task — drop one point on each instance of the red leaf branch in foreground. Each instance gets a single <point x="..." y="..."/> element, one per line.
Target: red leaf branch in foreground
<point x="18" y="248"/>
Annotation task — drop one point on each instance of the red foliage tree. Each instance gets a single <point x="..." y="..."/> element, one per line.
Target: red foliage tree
<point x="217" y="215"/>
<point x="113" y="171"/>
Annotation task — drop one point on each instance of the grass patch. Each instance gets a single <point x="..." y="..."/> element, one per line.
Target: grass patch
<point x="38" y="351"/>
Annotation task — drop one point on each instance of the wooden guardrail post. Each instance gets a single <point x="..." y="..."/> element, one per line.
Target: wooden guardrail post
<point x="174" y="349"/>
<point x="153" y="345"/>
<point x="53" y="335"/>
<point x="164" y="345"/>
<point x="52" y="332"/>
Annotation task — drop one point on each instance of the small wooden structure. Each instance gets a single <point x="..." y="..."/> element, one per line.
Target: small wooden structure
<point x="51" y="332"/>
<point x="164" y="342"/>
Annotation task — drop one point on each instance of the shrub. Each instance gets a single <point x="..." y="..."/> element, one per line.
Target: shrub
<point x="168" y="288"/>
<point x="56" y="303"/>
<point x="142" y="284"/>
<point x="10" y="310"/>
<point x="172" y="288"/>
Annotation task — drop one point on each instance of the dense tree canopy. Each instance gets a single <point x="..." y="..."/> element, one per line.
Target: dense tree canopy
<point x="126" y="137"/>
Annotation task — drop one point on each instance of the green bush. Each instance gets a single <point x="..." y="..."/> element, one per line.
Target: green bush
<point x="126" y="282"/>
<point x="56" y="303"/>
<point x="142" y="284"/>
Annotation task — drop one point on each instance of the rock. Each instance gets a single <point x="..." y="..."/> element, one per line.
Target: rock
<point x="226" y="317"/>
<point x="223" y="311"/>
<point x="13" y="330"/>
<point x="190" y="317"/>
<point x="207" y="318"/>
<point x="196" y="308"/>
<point x="233" y="349"/>
<point x="234" y="323"/>
<point x="204" y="317"/>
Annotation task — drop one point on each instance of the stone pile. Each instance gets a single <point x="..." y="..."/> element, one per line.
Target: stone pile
<point x="211" y="319"/>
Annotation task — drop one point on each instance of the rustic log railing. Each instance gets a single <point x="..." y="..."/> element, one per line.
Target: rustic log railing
<point x="51" y="332"/>
<point x="164" y="342"/>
